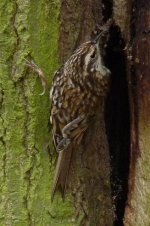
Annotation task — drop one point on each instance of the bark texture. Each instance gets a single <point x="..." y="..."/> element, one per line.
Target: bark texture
<point x="27" y="28"/>
<point x="138" y="210"/>
<point x="134" y="22"/>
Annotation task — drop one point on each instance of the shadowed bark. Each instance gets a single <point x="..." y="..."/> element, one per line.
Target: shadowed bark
<point x="137" y="210"/>
<point x="134" y="23"/>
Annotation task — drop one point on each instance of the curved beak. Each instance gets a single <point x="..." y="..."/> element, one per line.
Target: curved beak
<point x="96" y="40"/>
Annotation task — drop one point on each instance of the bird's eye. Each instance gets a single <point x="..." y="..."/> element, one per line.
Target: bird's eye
<point x="93" y="54"/>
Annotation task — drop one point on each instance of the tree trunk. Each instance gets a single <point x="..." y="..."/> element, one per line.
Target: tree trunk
<point x="134" y="22"/>
<point x="27" y="28"/>
<point x="137" y="209"/>
<point x="49" y="31"/>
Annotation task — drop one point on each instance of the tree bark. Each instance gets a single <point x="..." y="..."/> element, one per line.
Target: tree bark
<point x="27" y="28"/>
<point x="49" y="31"/>
<point x="137" y="209"/>
<point x="134" y="22"/>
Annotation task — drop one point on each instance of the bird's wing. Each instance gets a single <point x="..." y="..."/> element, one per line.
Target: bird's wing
<point x="56" y="101"/>
<point x="68" y="113"/>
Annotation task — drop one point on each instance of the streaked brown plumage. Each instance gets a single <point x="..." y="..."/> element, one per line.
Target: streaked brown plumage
<point x="77" y="87"/>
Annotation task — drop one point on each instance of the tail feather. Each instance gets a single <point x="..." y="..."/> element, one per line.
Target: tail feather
<point x="62" y="172"/>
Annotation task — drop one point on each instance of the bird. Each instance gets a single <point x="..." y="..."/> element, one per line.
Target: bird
<point x="76" y="90"/>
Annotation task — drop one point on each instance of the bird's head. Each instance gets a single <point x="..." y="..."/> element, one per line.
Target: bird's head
<point x="88" y="58"/>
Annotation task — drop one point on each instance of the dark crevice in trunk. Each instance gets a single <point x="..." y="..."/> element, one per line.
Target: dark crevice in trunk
<point x="107" y="6"/>
<point x="118" y="122"/>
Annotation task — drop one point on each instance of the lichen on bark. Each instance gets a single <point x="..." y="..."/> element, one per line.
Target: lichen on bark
<point x="27" y="28"/>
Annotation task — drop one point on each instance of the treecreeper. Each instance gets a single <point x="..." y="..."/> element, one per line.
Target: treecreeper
<point x="76" y="90"/>
<point x="77" y="87"/>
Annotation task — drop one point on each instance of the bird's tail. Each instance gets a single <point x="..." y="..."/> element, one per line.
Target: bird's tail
<point x="62" y="172"/>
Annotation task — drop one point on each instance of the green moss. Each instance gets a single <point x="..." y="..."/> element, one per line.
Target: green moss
<point x="27" y="28"/>
<point x="44" y="25"/>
